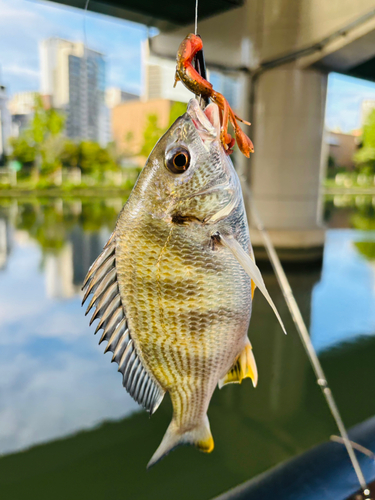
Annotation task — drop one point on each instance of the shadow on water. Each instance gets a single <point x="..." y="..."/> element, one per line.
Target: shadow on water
<point x="56" y="382"/>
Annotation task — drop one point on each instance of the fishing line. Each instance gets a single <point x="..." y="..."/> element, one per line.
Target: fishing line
<point x="196" y="17"/>
<point x="294" y="311"/>
<point x="306" y="342"/>
<point x="84" y="25"/>
<point x="299" y="322"/>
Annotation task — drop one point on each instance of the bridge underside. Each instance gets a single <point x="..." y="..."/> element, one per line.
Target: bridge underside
<point x="282" y="57"/>
<point x="365" y="70"/>
<point x="162" y="15"/>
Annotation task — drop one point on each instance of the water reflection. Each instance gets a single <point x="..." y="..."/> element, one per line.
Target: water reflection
<point x="344" y="210"/>
<point x="343" y="305"/>
<point x="54" y="379"/>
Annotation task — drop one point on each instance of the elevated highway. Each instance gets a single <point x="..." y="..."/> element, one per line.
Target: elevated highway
<point x="282" y="51"/>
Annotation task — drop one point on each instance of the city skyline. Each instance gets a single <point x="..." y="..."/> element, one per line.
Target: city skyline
<point x="25" y="23"/>
<point x="74" y="77"/>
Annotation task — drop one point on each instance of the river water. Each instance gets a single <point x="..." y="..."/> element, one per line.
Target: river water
<point x="55" y="381"/>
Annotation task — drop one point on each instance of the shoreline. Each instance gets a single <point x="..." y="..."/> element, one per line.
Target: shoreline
<point x="62" y="193"/>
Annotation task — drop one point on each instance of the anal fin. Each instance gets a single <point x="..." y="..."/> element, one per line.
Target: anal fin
<point x="244" y="367"/>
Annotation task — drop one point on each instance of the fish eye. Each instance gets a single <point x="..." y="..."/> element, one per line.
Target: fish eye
<point x="178" y="160"/>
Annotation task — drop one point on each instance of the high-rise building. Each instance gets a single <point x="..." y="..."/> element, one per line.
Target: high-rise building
<point x="158" y="78"/>
<point x="115" y="96"/>
<point x="5" y="123"/>
<point x="22" y="103"/>
<point x="21" y="107"/>
<point x="74" y="77"/>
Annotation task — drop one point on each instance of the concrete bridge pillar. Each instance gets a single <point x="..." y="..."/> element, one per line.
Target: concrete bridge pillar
<point x="288" y="117"/>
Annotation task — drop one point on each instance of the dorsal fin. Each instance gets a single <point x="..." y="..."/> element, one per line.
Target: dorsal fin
<point x="101" y="282"/>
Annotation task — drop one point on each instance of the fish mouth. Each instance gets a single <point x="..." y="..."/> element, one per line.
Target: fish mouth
<point x="206" y="121"/>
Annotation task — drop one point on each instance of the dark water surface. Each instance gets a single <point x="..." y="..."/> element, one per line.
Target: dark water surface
<point x="62" y="400"/>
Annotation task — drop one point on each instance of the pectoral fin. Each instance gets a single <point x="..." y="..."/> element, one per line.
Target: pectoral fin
<point x="251" y="269"/>
<point x="244" y="367"/>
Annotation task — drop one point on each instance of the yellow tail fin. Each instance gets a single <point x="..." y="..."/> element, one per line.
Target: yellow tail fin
<point x="200" y="436"/>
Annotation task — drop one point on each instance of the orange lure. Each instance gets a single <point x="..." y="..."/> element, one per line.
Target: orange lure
<point x="189" y="76"/>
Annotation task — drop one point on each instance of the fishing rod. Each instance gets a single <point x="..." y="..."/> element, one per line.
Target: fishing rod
<point x="307" y="344"/>
<point x="295" y="312"/>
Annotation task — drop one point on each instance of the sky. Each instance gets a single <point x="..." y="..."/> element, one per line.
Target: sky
<point x="24" y="23"/>
<point x="54" y="379"/>
<point x="344" y="98"/>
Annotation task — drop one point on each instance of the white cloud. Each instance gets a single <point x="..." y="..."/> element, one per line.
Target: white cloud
<point x="17" y="70"/>
<point x="54" y="379"/>
<point x="23" y="24"/>
<point x="44" y="399"/>
<point x="344" y="101"/>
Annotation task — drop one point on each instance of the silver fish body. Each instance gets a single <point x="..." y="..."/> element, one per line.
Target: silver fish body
<point x="185" y="299"/>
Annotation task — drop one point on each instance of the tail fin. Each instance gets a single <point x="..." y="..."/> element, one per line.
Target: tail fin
<point x="200" y="436"/>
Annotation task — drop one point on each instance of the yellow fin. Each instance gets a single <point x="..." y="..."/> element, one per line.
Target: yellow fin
<point x="245" y="366"/>
<point x="253" y="285"/>
<point x="200" y="436"/>
<point x="206" y="444"/>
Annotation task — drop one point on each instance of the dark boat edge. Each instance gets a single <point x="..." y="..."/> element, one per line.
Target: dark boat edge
<point x="322" y="473"/>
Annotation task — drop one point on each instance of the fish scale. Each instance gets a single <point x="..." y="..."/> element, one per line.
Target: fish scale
<point x="173" y="286"/>
<point x="158" y="295"/>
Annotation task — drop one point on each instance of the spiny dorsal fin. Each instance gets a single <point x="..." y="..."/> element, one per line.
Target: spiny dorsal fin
<point x="245" y="366"/>
<point x="101" y="282"/>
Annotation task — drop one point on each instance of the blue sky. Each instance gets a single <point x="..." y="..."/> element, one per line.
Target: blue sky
<point x="344" y="98"/>
<point x="24" y="23"/>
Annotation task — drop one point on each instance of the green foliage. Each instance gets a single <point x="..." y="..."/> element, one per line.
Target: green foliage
<point x="50" y="226"/>
<point x="365" y="157"/>
<point x="70" y="154"/>
<point x="177" y="109"/>
<point x="366" y="249"/>
<point x="363" y="222"/>
<point x="153" y="131"/>
<point x="23" y="149"/>
<point x="42" y="142"/>
<point x="97" y="215"/>
<point x="151" y="134"/>
<point x="331" y="162"/>
<point x="364" y="218"/>
<point x="95" y="160"/>
<point x="44" y="145"/>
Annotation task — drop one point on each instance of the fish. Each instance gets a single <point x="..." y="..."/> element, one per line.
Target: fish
<point x="173" y="286"/>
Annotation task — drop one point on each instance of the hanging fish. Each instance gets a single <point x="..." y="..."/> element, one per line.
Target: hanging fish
<point x="173" y="286"/>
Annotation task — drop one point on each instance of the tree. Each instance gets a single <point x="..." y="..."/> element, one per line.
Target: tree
<point x="151" y="134"/>
<point x="70" y="154"/>
<point x="153" y="131"/>
<point x="22" y="150"/>
<point x="95" y="160"/>
<point x="177" y="109"/>
<point x="365" y="157"/>
<point x="42" y="142"/>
